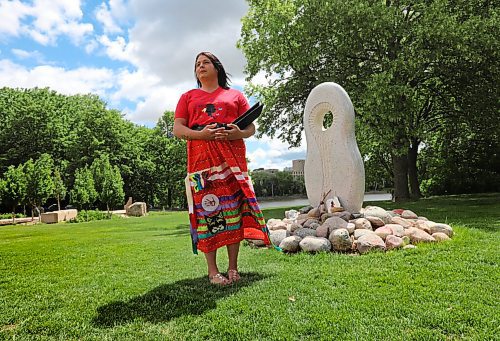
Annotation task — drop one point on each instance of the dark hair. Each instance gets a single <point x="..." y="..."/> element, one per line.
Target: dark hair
<point x="222" y="76"/>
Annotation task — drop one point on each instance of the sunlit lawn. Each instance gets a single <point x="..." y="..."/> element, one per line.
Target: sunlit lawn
<point x="137" y="278"/>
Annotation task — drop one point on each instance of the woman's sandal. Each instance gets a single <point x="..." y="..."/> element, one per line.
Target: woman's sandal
<point x="219" y="279"/>
<point x="233" y="275"/>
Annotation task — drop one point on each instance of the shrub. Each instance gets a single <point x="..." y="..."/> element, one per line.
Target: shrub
<point x="9" y="215"/>
<point x="90" y="215"/>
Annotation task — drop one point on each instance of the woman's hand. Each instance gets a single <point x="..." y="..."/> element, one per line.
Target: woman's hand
<point x="211" y="132"/>
<point x="233" y="133"/>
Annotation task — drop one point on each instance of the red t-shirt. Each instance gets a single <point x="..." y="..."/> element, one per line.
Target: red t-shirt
<point x="202" y="108"/>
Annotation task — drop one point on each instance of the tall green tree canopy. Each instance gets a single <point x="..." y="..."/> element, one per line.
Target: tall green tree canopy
<point x="77" y="130"/>
<point x="410" y="68"/>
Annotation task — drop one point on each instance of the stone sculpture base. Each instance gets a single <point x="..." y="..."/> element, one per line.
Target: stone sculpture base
<point x="58" y="216"/>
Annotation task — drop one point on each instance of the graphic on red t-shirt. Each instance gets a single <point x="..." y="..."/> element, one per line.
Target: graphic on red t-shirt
<point x="213" y="110"/>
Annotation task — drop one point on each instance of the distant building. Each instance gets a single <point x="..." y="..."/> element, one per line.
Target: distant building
<point x="269" y="170"/>
<point x="298" y="168"/>
<point x="288" y="169"/>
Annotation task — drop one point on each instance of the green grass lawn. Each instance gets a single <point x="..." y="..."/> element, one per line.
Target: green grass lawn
<point x="137" y="278"/>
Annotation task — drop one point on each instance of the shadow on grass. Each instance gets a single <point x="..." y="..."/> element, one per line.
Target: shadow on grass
<point x="163" y="303"/>
<point x="179" y="230"/>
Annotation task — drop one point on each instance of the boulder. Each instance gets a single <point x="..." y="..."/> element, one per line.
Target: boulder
<point x="407" y="214"/>
<point x="375" y="221"/>
<point x="369" y="242"/>
<point x="323" y="231"/>
<point x="325" y="216"/>
<point x="290" y="244"/>
<point x="294" y="227"/>
<point x="343" y="215"/>
<point x="305" y="232"/>
<point x="393" y="242"/>
<point x="363" y="224"/>
<point x="417" y="236"/>
<point x="383" y="231"/>
<point x="276" y="224"/>
<point x="314" y="213"/>
<point x="340" y="239"/>
<point x="311" y="223"/>
<point x="401" y="221"/>
<point x="334" y="223"/>
<point x="443" y="228"/>
<point x="379" y="212"/>
<point x="137" y="209"/>
<point x="440" y="236"/>
<point x="315" y="244"/>
<point x="397" y="229"/>
<point x="256" y="242"/>
<point x="350" y="228"/>
<point x="278" y="235"/>
<point x="422" y="225"/>
<point x="359" y="233"/>
<point x="291" y="214"/>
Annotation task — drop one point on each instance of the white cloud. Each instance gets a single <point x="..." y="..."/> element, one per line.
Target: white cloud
<point x="11" y="14"/>
<point x="119" y="49"/>
<point x="271" y="153"/>
<point x="48" y="20"/>
<point x="82" y="80"/>
<point x="105" y="17"/>
<point x="91" y="46"/>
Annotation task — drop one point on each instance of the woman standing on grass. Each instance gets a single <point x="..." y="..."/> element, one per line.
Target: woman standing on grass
<point x="222" y="205"/>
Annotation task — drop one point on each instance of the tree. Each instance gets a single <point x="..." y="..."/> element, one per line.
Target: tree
<point x="14" y="188"/>
<point x="59" y="187"/>
<point x="410" y="68"/>
<point x="40" y="184"/>
<point x="108" y="182"/>
<point x="83" y="194"/>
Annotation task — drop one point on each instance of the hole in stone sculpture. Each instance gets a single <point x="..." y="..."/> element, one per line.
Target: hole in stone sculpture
<point x="327" y="120"/>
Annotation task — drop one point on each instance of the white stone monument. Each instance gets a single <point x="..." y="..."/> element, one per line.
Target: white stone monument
<point x="333" y="166"/>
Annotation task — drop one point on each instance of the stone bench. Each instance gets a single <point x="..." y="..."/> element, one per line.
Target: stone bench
<point x="58" y="216"/>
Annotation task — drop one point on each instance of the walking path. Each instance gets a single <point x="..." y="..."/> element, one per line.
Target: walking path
<point x="27" y="221"/>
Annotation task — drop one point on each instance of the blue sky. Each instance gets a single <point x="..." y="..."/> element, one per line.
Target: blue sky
<point x="137" y="55"/>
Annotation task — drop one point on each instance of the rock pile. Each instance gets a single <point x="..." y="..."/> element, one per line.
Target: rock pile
<point x="313" y="230"/>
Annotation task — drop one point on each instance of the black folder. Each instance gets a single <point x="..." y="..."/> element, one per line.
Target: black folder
<point x="243" y="121"/>
<point x="249" y="116"/>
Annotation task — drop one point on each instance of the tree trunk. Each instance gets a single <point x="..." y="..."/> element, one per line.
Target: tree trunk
<point x="413" y="172"/>
<point x="58" y="203"/>
<point x="400" y="169"/>
<point x="169" y="198"/>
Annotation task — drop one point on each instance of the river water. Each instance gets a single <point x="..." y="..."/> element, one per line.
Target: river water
<point x="305" y="202"/>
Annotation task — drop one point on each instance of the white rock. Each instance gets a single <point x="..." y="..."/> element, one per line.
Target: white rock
<point x="291" y="214"/>
<point x="315" y="244"/>
<point x="369" y="242"/>
<point x="278" y="235"/>
<point x="290" y="244"/>
<point x="440" y="236"/>
<point x="416" y="235"/>
<point x="359" y="233"/>
<point x="276" y="224"/>
<point x="362" y="223"/>
<point x="407" y="214"/>
<point x="340" y="239"/>
<point x="393" y="242"/>
<point x="439" y="227"/>
<point x="379" y="212"/>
